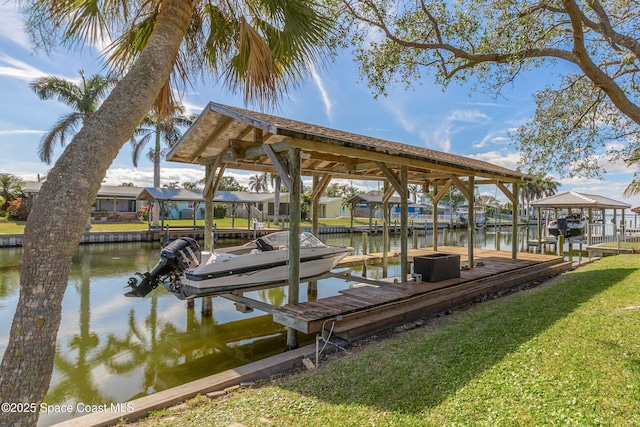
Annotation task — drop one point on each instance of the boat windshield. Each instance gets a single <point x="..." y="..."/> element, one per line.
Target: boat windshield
<point x="281" y="240"/>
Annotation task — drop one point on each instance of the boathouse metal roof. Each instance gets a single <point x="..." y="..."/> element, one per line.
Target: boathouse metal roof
<point x="239" y="134"/>
<point x="174" y="194"/>
<point x="242" y="197"/>
<point x="572" y="199"/>
<point x="374" y="199"/>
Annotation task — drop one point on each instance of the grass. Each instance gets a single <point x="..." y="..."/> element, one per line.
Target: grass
<point x="635" y="245"/>
<point x="565" y="353"/>
<point x="17" y="227"/>
<point x="11" y="226"/>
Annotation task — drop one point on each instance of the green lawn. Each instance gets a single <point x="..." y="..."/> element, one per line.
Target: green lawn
<point x="566" y="353"/>
<point x="622" y="245"/>
<point x="11" y="226"/>
<point x="17" y="227"/>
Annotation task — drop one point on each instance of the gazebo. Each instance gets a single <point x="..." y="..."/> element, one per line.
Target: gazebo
<point x="229" y="137"/>
<point x="592" y="204"/>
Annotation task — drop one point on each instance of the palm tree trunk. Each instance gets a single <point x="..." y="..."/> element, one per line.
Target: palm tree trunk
<point x="155" y="211"/>
<point x="59" y="214"/>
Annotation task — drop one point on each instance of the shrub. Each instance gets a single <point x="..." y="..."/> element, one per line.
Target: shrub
<point x="219" y="211"/>
<point x="17" y="209"/>
<point x="143" y="212"/>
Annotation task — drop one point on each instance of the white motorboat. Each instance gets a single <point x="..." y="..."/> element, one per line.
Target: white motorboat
<point x="480" y="217"/>
<point x="188" y="272"/>
<point x="569" y="226"/>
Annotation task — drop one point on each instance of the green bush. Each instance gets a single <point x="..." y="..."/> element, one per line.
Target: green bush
<point x="219" y="211"/>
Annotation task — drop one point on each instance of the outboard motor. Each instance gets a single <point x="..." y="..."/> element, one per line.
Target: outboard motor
<point x="563" y="227"/>
<point x="175" y="258"/>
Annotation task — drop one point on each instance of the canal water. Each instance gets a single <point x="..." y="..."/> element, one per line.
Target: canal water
<point x="111" y="349"/>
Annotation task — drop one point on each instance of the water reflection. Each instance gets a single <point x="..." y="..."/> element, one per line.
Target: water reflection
<point x="111" y="349"/>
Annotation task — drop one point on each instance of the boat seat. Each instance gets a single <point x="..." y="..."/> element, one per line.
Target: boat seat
<point x="263" y="246"/>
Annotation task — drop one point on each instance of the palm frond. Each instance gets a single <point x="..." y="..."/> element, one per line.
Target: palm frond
<point x="254" y="66"/>
<point x="121" y="53"/>
<point x="143" y="137"/>
<point x="633" y="189"/>
<point x="52" y="87"/>
<point x="58" y="133"/>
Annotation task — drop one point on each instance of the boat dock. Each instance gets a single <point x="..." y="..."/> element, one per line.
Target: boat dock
<point x="369" y="305"/>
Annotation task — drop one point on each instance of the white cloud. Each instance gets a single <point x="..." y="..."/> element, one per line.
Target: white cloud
<point x="22" y="132"/>
<point x="144" y="177"/>
<point x="191" y="108"/>
<point x="485" y="104"/>
<point x="328" y="105"/>
<point x="401" y="117"/>
<point x="11" y="67"/>
<point x="468" y="116"/>
<point x="506" y="160"/>
<point x="11" y="24"/>
<point x="496" y="138"/>
<point x="440" y="138"/>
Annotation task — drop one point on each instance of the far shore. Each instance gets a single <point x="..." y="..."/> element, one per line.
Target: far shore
<point x="17" y="227"/>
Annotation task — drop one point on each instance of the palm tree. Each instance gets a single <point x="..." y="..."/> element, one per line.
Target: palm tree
<point x="260" y="46"/>
<point x="84" y="98"/>
<point x="158" y="128"/>
<point x="529" y="191"/>
<point x="549" y="186"/>
<point x="10" y="189"/>
<point x="259" y="183"/>
<point x="414" y="190"/>
<point x="633" y="188"/>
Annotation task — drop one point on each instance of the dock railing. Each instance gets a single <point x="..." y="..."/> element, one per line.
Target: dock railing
<point x="615" y="235"/>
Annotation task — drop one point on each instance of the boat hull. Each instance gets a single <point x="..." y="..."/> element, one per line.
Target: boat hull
<point x="573" y="229"/>
<point x="243" y="272"/>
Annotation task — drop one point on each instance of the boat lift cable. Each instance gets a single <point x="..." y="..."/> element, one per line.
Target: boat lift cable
<point x="327" y="340"/>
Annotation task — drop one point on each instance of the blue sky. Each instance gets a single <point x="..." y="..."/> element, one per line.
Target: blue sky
<point x="453" y="121"/>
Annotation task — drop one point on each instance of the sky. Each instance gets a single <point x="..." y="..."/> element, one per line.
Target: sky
<point x="454" y="121"/>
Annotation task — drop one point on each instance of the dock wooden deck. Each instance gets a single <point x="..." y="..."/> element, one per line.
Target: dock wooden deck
<point x="375" y="305"/>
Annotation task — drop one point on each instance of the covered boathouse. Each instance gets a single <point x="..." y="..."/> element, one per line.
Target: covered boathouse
<point x="229" y="137"/>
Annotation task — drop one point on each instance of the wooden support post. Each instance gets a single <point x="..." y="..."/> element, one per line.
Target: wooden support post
<point x="248" y="205"/>
<point x="211" y="186"/>
<point x="514" y="215"/>
<point x="385" y="225"/>
<point x="471" y="223"/>
<point x="404" y="223"/>
<point x="540" y="228"/>
<point x="315" y="207"/>
<point x="498" y="237"/>
<point x="365" y="243"/>
<point x="312" y="290"/>
<point x="208" y="210"/>
<point x="434" y="219"/>
<point x="560" y="247"/>
<point x="415" y="239"/>
<point x="295" y="204"/>
<point x="590" y="227"/>
<point x="207" y="306"/>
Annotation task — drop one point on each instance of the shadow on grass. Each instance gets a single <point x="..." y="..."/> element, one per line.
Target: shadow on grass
<point x="422" y="368"/>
